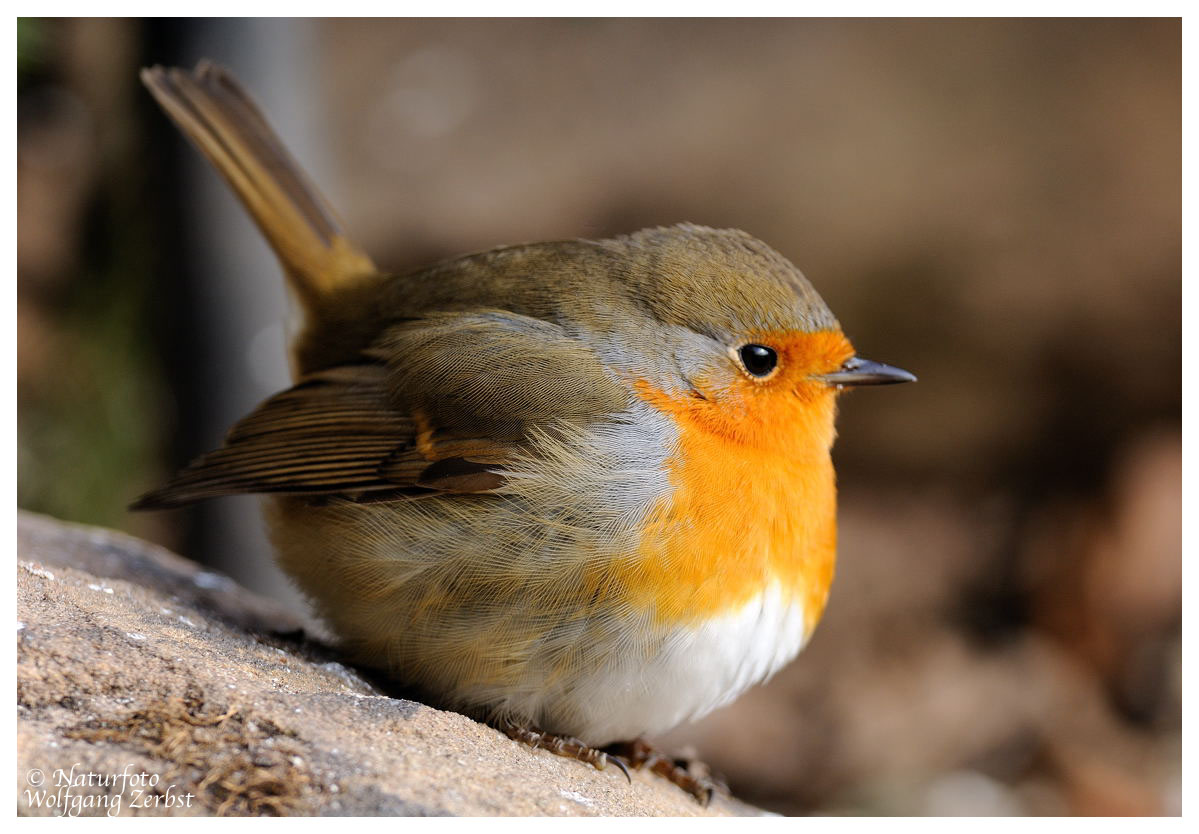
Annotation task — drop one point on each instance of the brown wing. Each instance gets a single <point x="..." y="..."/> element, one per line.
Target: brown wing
<point x="444" y="404"/>
<point x="335" y="432"/>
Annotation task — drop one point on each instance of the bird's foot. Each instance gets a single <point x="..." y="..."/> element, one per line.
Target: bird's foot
<point x="570" y="748"/>
<point x="692" y="776"/>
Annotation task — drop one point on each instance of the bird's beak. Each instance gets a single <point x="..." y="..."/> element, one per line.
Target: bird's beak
<point x="858" y="371"/>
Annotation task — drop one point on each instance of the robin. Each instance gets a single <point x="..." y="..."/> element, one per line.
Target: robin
<point x="581" y="490"/>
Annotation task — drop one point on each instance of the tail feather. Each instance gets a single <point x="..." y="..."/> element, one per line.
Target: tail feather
<point x="211" y="108"/>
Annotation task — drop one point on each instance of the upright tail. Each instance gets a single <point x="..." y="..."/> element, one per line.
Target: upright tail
<point x="211" y="108"/>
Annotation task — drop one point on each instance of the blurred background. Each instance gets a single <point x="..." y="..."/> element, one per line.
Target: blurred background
<point x="994" y="205"/>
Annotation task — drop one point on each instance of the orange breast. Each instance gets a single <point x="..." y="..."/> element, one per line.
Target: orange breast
<point x="755" y="495"/>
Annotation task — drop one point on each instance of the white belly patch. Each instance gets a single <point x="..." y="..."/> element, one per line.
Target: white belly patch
<point x="697" y="670"/>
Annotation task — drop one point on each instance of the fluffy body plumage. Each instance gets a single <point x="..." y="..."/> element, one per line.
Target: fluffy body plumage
<point x="531" y="603"/>
<point x="538" y="482"/>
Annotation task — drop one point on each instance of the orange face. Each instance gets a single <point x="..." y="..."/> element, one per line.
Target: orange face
<point x="783" y="407"/>
<point x="755" y="498"/>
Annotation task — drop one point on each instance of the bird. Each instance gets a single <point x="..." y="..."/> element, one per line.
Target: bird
<point x="580" y="490"/>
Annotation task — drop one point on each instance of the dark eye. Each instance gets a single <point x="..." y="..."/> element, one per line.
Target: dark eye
<point x="759" y="360"/>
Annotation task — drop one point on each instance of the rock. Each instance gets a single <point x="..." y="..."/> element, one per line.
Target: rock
<point x="148" y="686"/>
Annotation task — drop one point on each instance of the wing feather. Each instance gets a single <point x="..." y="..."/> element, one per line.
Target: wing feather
<point x="331" y="433"/>
<point x="437" y="404"/>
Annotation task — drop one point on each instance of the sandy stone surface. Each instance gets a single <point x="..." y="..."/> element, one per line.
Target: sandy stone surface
<point x="147" y="686"/>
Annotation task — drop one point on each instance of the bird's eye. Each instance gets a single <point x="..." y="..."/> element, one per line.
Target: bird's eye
<point x="759" y="360"/>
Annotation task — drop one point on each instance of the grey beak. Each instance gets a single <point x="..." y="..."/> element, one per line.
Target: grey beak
<point x="858" y="371"/>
